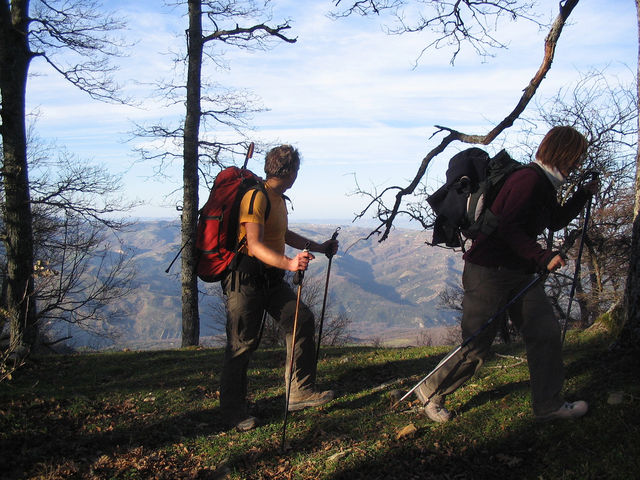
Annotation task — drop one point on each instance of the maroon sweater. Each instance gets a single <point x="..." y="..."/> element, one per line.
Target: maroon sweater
<point x="526" y="206"/>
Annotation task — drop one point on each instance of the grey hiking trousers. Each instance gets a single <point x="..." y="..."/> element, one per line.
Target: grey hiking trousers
<point x="486" y="290"/>
<point x="248" y="296"/>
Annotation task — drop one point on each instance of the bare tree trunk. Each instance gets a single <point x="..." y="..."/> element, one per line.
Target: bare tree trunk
<point x="190" y="316"/>
<point x="583" y="304"/>
<point x="15" y="57"/>
<point x="631" y="330"/>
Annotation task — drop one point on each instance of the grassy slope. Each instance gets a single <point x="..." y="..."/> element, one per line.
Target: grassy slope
<point x="139" y="415"/>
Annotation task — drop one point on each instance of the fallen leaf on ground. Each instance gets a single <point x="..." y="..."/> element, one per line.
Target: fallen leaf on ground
<point x="406" y="431"/>
<point x="337" y="456"/>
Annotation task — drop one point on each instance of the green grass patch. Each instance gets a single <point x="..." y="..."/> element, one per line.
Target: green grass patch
<point x="141" y="415"/>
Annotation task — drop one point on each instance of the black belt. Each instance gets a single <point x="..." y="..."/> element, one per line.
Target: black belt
<point x="254" y="271"/>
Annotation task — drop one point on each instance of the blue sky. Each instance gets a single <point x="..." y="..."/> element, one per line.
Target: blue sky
<point x="346" y="94"/>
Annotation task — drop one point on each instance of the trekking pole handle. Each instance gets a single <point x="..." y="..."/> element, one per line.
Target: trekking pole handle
<point x="333" y="237"/>
<point x="299" y="275"/>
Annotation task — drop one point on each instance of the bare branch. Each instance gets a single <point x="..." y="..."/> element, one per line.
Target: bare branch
<point x="454" y="22"/>
<point x="551" y="40"/>
<point x="247" y="34"/>
<point x="78" y="41"/>
<point x="367" y="7"/>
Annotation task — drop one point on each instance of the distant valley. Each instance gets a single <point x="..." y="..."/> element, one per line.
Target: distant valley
<point x="389" y="290"/>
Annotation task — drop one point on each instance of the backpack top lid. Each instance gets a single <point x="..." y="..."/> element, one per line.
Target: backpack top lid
<point x="449" y="203"/>
<point x="470" y="163"/>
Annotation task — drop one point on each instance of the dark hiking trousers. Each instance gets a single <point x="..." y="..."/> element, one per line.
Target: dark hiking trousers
<point x="250" y="296"/>
<point x="486" y="290"/>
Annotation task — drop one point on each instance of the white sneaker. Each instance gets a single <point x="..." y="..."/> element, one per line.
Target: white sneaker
<point x="568" y="410"/>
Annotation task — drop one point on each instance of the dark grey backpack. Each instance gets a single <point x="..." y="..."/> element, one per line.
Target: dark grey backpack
<point x="462" y="204"/>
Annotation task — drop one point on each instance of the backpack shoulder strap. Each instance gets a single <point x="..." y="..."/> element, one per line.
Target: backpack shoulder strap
<point x="255" y="189"/>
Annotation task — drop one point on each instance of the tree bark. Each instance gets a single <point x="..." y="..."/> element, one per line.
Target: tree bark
<point x="15" y="58"/>
<point x="630" y="335"/>
<point x="190" y="315"/>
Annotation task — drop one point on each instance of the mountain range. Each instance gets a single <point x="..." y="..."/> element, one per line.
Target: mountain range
<point x="389" y="290"/>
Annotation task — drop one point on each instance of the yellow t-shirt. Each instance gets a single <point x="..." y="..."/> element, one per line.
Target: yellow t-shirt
<point x="253" y="209"/>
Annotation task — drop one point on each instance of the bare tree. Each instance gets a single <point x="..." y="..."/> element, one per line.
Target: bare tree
<point x="52" y="28"/>
<point x="630" y="336"/>
<point x="210" y="23"/>
<point x="424" y="338"/>
<point x="80" y="270"/>
<point x="451" y="298"/>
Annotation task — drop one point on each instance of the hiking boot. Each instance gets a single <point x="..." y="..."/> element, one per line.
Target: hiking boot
<point x="436" y="410"/>
<point x="310" y="399"/>
<point x="568" y="410"/>
<point x="244" y="425"/>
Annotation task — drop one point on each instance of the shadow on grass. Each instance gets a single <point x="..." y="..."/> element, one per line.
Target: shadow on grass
<point x="77" y="409"/>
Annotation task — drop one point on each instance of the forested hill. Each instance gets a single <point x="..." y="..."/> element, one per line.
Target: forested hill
<point x="385" y="288"/>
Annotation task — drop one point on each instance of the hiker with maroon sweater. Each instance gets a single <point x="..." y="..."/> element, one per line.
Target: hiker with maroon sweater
<point x="499" y="265"/>
<point x="257" y="284"/>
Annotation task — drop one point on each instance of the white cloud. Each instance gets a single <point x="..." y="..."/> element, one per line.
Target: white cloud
<point x="345" y="93"/>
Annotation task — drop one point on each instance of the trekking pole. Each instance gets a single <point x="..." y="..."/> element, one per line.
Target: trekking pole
<point x="297" y="280"/>
<point x="176" y="257"/>
<point x="264" y="320"/>
<point x="324" y="299"/>
<point x="530" y="285"/>
<point x="576" y="272"/>
<point x="539" y="278"/>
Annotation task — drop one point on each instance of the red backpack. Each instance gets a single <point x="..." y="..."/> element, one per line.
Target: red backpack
<point x="217" y="235"/>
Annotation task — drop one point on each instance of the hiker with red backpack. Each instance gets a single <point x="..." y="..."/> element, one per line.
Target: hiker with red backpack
<point x="499" y="264"/>
<point x="255" y="283"/>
